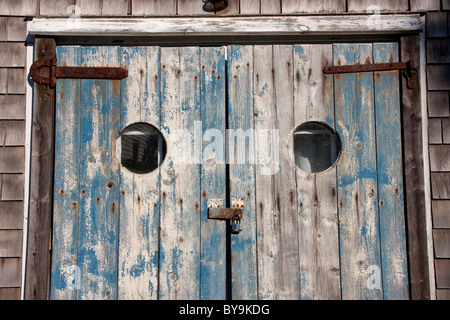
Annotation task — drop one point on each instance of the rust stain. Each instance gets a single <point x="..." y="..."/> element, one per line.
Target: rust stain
<point x="197" y="206"/>
<point x="164" y="194"/>
<point x="74" y="205"/>
<point x="123" y="192"/>
<point x="98" y="200"/>
<point x="110" y="184"/>
<point x="204" y="194"/>
<point x="181" y="202"/>
<point x="61" y="192"/>
<point x="113" y="207"/>
<point x="381" y="203"/>
<point x="248" y="193"/>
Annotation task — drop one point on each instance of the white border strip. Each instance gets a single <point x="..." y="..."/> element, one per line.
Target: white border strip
<point x="235" y="26"/>
<point x="28" y="127"/>
<point x="426" y="163"/>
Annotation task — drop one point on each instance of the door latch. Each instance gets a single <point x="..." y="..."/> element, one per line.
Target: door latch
<point x="111" y="73"/>
<point x="408" y="70"/>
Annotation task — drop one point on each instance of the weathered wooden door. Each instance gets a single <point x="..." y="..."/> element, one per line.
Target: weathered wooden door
<point x="228" y="117"/>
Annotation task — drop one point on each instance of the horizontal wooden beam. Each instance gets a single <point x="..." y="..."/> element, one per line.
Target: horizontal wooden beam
<point x="206" y="26"/>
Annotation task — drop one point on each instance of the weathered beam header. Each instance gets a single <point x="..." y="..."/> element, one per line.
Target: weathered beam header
<point x="201" y="26"/>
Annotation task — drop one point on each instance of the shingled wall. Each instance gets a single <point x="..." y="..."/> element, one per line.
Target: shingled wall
<point x="13" y="15"/>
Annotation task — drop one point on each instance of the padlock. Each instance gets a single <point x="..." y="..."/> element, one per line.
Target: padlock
<point x="236" y="224"/>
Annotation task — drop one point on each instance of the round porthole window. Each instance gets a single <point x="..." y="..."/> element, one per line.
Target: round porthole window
<point x="141" y="148"/>
<point x="316" y="147"/>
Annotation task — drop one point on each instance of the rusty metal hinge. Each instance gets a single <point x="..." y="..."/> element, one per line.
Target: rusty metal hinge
<point x="112" y="73"/>
<point x="408" y="70"/>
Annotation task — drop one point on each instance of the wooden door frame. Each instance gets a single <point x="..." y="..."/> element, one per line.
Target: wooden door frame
<point x="407" y="27"/>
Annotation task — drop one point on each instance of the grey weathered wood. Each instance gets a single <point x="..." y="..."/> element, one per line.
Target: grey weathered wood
<point x="441" y="214"/>
<point x="41" y="182"/>
<point x="442" y="275"/>
<point x="439" y="157"/>
<point x="445" y="130"/>
<point x="9" y="293"/>
<point x="316" y="193"/>
<point x="414" y="179"/>
<point x="441" y="240"/>
<point x="16" y="29"/>
<point x="438" y="104"/>
<point x="11" y="215"/>
<point x="12" y="159"/>
<point x="445" y="4"/>
<point x="12" y="54"/>
<point x="16" y="81"/>
<point x="436" y="24"/>
<point x="10" y="243"/>
<point x="438" y="76"/>
<point x="18" y="7"/>
<point x="438" y="50"/>
<point x="440" y="185"/>
<point x="57" y="8"/>
<point x="442" y="294"/>
<point x="90" y="7"/>
<point x="115" y="7"/>
<point x="102" y="7"/>
<point x="3" y="80"/>
<point x="3" y="28"/>
<point x="154" y="7"/>
<point x="434" y="131"/>
<point x="424" y="5"/>
<point x="12" y="187"/>
<point x="313" y="6"/>
<point x="384" y="5"/>
<point x="10" y="272"/>
<point x="12" y="107"/>
<point x="235" y="26"/>
<point x="269" y="6"/>
<point x="12" y="133"/>
<point x="249" y="7"/>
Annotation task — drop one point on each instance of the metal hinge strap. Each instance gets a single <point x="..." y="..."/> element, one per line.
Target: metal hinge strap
<point x="408" y="70"/>
<point x="111" y="73"/>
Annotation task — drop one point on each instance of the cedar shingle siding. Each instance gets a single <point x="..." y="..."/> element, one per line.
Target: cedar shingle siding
<point x="13" y="14"/>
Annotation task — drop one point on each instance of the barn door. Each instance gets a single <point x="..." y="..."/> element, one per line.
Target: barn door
<point x="317" y="227"/>
<point x="139" y="161"/>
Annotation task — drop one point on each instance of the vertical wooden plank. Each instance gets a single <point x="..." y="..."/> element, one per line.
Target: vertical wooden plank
<point x="270" y="7"/>
<point x="277" y="245"/>
<point x="213" y="183"/>
<point x="313" y="6"/>
<point x="242" y="169"/>
<point x="357" y="175"/>
<point x="180" y="174"/>
<point x="99" y="178"/>
<point x="249" y="7"/>
<point x="414" y="178"/>
<point x="283" y="63"/>
<point x="317" y="194"/>
<point x="41" y="180"/>
<point x="154" y="7"/>
<point x="268" y="213"/>
<point x="140" y="196"/>
<point x="66" y="184"/>
<point x="390" y="175"/>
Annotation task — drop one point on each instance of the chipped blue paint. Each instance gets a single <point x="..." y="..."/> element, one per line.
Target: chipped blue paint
<point x="390" y="176"/>
<point x="213" y="180"/>
<point x="356" y="173"/>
